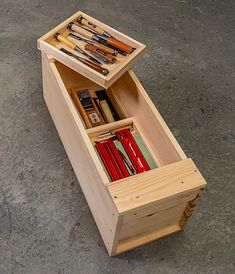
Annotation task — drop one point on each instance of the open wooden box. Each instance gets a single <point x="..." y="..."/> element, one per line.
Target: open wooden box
<point x="141" y="208"/>
<point x="50" y="45"/>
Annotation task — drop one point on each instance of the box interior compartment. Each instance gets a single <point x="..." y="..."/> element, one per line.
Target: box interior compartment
<point x="133" y="107"/>
<point x="128" y="123"/>
<point x="76" y="81"/>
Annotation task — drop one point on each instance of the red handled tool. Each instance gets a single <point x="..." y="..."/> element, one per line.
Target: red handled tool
<point x="89" y="63"/>
<point x="101" y="54"/>
<point x="135" y="155"/>
<point x="112" y="160"/>
<point x="92" y="42"/>
<point x="119" y="46"/>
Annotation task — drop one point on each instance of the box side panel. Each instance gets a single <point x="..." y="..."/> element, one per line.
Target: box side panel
<point x="163" y="185"/>
<point x="156" y="203"/>
<point x="151" y="221"/>
<point x="98" y="199"/>
<point x="144" y="238"/>
<point x="73" y="63"/>
<point x="150" y="224"/>
<point x="189" y="209"/>
<point x="135" y="102"/>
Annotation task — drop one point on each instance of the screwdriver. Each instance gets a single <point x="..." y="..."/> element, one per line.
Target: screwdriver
<point x="70" y="44"/>
<point x="89" y="63"/>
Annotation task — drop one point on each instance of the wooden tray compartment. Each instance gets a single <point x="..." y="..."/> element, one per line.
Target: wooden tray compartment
<point x="125" y="123"/>
<point x="140" y="208"/>
<point x="49" y="45"/>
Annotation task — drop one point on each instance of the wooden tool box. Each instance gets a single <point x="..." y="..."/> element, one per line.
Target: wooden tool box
<point x="141" y="208"/>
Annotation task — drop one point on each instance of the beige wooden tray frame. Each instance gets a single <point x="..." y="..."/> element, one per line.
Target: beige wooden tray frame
<point x="48" y="44"/>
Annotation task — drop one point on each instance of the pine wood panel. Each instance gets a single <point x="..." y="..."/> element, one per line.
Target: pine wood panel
<point x="77" y="145"/>
<point x="155" y="185"/>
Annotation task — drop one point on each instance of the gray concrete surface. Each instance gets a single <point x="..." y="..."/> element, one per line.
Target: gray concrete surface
<point x="188" y="71"/>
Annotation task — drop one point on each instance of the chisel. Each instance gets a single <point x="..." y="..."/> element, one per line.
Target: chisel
<point x="97" y="51"/>
<point x="101" y="38"/>
<point x="102" y="47"/>
<point x="100" y="54"/>
<point x="83" y="21"/>
<point x="70" y="44"/>
<point x="87" y="34"/>
<point x="90" y="64"/>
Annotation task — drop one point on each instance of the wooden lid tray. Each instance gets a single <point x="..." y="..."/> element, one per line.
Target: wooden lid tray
<point x="51" y="46"/>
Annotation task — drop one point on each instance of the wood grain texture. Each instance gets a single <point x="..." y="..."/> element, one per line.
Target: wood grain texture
<point x="189" y="209"/>
<point x="151" y="222"/>
<point x="144" y="238"/>
<point x="80" y="152"/>
<point x="159" y="184"/>
<point x="48" y="44"/>
<point x="140" y="208"/>
<point x="135" y="102"/>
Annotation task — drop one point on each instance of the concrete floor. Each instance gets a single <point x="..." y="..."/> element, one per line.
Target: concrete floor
<point x="188" y="70"/>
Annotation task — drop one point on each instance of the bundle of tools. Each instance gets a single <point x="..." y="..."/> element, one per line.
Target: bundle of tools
<point x="122" y="156"/>
<point x="98" y="42"/>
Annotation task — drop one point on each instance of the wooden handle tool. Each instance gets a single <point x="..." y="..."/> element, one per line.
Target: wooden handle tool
<point x="83" y="21"/>
<point x="80" y="30"/>
<point x="101" y="38"/>
<point x="102" y="47"/>
<point x="105" y="57"/>
<point x="117" y="44"/>
<point x="90" y="64"/>
<point x="70" y="44"/>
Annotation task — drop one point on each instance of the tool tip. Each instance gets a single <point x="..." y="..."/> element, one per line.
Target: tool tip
<point x="57" y="34"/>
<point x="105" y="72"/>
<point x="79" y="19"/>
<point x="70" y="25"/>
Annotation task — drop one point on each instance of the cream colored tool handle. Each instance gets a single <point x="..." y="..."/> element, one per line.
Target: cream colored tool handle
<point x="64" y="40"/>
<point x="81" y="31"/>
<point x="107" y="112"/>
<point x="90" y="25"/>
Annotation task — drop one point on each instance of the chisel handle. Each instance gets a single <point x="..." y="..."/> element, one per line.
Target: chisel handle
<point x="64" y="40"/>
<point x="105" y="56"/>
<point x="118" y="44"/>
<point x="80" y="30"/>
<point x="90" y="25"/>
<point x="89" y="63"/>
<point x="101" y="46"/>
<point x="107" y="49"/>
<point x="83" y="21"/>
<point x="96" y="67"/>
<point x="100" y="38"/>
<point x="70" y="44"/>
